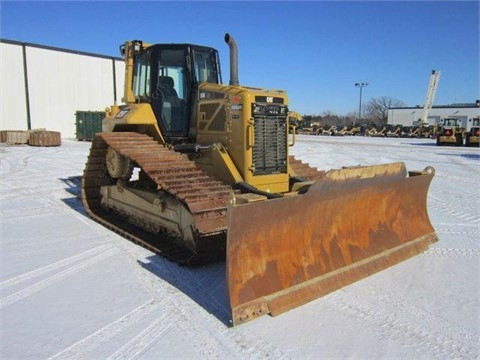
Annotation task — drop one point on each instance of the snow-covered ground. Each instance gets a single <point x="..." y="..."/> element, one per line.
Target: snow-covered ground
<point x="71" y="289"/>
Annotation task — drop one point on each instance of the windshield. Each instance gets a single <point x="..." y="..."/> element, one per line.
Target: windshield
<point x="450" y="122"/>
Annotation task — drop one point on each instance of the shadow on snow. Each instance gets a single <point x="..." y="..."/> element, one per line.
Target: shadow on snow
<point x="206" y="284"/>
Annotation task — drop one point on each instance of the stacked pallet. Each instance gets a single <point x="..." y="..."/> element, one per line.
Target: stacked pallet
<point x="37" y="137"/>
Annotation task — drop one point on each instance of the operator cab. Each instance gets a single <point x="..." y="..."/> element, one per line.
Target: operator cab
<point x="167" y="77"/>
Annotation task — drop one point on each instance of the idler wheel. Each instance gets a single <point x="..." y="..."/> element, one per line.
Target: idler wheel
<point x="118" y="166"/>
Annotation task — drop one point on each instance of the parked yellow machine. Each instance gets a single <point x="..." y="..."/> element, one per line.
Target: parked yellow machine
<point x="472" y="136"/>
<point x="294" y="118"/>
<point x="450" y="132"/>
<point x="199" y="171"/>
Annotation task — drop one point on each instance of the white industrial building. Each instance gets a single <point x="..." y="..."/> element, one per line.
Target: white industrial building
<point x="43" y="87"/>
<point x="434" y="115"/>
<point x="411" y="116"/>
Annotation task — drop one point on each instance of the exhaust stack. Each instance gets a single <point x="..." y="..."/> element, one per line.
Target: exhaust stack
<point x="233" y="59"/>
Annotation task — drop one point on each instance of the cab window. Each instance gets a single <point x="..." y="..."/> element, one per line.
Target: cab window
<point x="141" y="76"/>
<point x="205" y="66"/>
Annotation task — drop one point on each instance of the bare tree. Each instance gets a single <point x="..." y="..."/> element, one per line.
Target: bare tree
<point x="376" y="110"/>
<point x="351" y="118"/>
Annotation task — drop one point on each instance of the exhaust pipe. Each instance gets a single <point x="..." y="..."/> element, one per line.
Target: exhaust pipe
<point x="233" y="59"/>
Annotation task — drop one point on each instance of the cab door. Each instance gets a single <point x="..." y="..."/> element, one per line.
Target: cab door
<point x="170" y="95"/>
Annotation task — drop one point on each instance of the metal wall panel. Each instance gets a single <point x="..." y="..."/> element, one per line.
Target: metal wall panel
<point x="13" y="111"/>
<point x="60" y="83"/>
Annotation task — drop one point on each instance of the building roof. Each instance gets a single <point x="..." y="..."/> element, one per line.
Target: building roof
<point x="46" y="47"/>
<point x="450" y="106"/>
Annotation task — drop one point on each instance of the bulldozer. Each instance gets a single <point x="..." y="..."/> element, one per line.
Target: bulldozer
<point x="198" y="171"/>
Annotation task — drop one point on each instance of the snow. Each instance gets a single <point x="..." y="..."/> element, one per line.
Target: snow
<point x="72" y="289"/>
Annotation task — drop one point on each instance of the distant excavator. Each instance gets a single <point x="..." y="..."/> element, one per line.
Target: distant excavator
<point x="199" y="171"/>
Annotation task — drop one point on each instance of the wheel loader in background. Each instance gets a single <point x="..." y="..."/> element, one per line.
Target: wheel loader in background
<point x="450" y="132"/>
<point x="198" y="171"/>
<point x="472" y="136"/>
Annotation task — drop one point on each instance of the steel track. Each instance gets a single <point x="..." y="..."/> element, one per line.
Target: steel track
<point x="173" y="172"/>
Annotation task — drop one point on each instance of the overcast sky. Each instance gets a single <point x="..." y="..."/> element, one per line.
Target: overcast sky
<point x="315" y="50"/>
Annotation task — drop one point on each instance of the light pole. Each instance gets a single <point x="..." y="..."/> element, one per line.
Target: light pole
<point x="361" y="86"/>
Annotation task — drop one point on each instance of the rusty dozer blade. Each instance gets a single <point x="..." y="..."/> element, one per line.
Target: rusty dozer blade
<point x="285" y="252"/>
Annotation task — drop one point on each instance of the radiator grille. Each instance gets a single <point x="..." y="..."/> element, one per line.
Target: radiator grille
<point x="270" y="147"/>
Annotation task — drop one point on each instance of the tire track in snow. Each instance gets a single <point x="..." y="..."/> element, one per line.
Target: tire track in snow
<point x="453" y="252"/>
<point x="22" y="294"/>
<point x="240" y="344"/>
<point x="207" y="334"/>
<point x="28" y="242"/>
<point x="170" y="283"/>
<point x="408" y="324"/>
<point x="457" y="179"/>
<point x="85" y="346"/>
<point x="463" y="230"/>
<point x="196" y="326"/>
<point x="42" y="206"/>
<point x="253" y="347"/>
<point x="140" y="343"/>
<point x="55" y="266"/>
<point x="436" y="333"/>
<point x="15" y="166"/>
<point x="204" y="333"/>
<point x="184" y="313"/>
<point x="208" y="338"/>
<point x="215" y="341"/>
<point x="460" y="233"/>
<point x="24" y="215"/>
<point x="46" y="239"/>
<point x="470" y="215"/>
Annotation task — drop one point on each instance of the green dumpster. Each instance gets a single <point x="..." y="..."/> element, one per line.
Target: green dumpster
<point x="88" y="123"/>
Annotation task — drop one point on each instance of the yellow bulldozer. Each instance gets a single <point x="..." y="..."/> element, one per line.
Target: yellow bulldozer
<point x="198" y="171"/>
